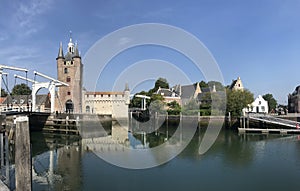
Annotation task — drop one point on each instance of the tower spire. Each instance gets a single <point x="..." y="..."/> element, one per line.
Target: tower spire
<point x="71" y="45"/>
<point x="70" y="36"/>
<point x="76" y="54"/>
<point x="60" y="51"/>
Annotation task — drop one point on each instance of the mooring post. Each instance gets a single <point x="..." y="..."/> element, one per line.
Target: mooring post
<point x="23" y="155"/>
<point x="1" y="150"/>
<point x="7" y="174"/>
<point x="248" y="121"/>
<point x="229" y="119"/>
<point x="244" y="118"/>
<point x="181" y="127"/>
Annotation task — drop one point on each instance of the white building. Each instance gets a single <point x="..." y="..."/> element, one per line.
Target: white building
<point x="258" y="106"/>
<point x="107" y="103"/>
<point x="237" y="84"/>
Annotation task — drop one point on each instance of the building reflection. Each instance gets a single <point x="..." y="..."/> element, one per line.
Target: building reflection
<point x="60" y="167"/>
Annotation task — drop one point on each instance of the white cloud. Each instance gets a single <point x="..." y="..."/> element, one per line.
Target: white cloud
<point x="124" y="41"/>
<point x="27" y="15"/>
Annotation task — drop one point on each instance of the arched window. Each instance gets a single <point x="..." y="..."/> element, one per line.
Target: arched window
<point x="68" y="79"/>
<point x="66" y="70"/>
<point x="87" y="109"/>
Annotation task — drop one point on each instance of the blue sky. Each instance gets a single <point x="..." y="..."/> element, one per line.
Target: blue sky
<point x="258" y="40"/>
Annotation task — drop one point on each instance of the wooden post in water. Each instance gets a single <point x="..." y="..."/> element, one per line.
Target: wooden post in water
<point x="7" y="174"/>
<point x="1" y="151"/>
<point x="23" y="155"/>
<point x="248" y="121"/>
<point x="229" y="119"/>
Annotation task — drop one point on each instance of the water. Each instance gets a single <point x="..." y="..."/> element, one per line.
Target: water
<point x="234" y="162"/>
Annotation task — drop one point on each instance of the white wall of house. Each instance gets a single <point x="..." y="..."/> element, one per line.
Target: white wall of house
<point x="258" y="106"/>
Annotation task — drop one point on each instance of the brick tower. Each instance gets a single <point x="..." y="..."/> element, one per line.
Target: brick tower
<point x="69" y="70"/>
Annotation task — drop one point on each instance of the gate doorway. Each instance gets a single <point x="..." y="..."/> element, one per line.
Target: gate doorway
<point x="69" y="106"/>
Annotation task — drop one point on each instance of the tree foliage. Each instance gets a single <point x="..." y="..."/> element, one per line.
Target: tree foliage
<point x="203" y="84"/>
<point x="21" y="89"/>
<point x="174" y="108"/>
<point x="3" y="93"/>
<point x="237" y="100"/>
<point x="272" y="102"/>
<point x="219" y="86"/>
<point x="159" y="83"/>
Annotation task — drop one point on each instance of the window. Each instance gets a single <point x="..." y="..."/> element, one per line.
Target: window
<point x="263" y="108"/>
<point x="108" y="95"/>
<point x="69" y="93"/>
<point x="68" y="79"/>
<point x="66" y="70"/>
<point x="87" y="109"/>
<point x="259" y="102"/>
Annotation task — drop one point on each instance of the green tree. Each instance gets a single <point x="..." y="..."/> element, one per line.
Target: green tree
<point x="191" y="108"/>
<point x="174" y="108"/>
<point x="21" y="89"/>
<point x="203" y="84"/>
<point x="205" y="105"/>
<point x="272" y="103"/>
<point x="237" y="100"/>
<point x="159" y="83"/>
<point x="3" y="93"/>
<point x="157" y="106"/>
<point x="219" y="86"/>
<point x="136" y="101"/>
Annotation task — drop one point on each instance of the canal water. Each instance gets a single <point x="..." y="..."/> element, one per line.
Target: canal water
<point x="234" y="162"/>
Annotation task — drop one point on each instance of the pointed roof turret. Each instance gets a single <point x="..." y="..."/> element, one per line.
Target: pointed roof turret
<point x="60" y="51"/>
<point x="126" y="87"/>
<point x="197" y="90"/>
<point x="76" y="53"/>
<point x="214" y="88"/>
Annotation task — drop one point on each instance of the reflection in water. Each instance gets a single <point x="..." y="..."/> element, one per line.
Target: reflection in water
<point x="235" y="162"/>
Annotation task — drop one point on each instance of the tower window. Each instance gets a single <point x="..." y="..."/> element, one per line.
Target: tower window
<point x="69" y="93"/>
<point x="66" y="70"/>
<point x="68" y="79"/>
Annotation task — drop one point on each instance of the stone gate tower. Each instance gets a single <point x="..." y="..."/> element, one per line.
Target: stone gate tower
<point x="69" y="70"/>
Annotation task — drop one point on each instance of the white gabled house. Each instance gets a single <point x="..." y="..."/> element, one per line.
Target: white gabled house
<point x="258" y="106"/>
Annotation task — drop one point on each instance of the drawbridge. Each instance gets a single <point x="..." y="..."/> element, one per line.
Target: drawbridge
<point x="268" y="124"/>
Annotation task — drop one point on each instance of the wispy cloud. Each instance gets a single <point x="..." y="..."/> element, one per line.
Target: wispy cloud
<point x="27" y="15"/>
<point x="17" y="55"/>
